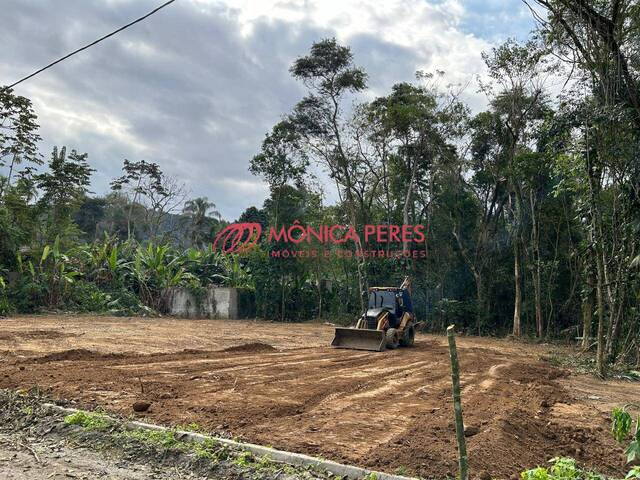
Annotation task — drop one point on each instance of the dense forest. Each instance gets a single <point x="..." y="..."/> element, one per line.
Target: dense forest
<point x="531" y="207"/>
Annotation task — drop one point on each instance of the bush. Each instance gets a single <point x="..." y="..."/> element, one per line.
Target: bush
<point x="87" y="297"/>
<point x="5" y="307"/>
<point x="125" y="303"/>
<point x="29" y="296"/>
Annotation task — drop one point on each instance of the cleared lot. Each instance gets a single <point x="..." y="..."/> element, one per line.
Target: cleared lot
<point x="280" y="385"/>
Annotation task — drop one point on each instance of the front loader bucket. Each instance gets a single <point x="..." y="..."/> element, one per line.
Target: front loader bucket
<point x="359" y="339"/>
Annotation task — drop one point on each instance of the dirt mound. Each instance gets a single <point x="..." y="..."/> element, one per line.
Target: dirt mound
<point x="35" y="335"/>
<point x="77" y="354"/>
<point x="254" y="347"/>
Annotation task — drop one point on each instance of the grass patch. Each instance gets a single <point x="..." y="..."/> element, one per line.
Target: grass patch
<point x="168" y="440"/>
<point x="88" y="420"/>
<point x="161" y="441"/>
<point x="158" y="439"/>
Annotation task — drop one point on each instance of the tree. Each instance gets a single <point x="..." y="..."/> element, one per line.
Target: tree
<point x="282" y="160"/>
<point x="145" y="184"/>
<point x="598" y="40"/>
<point x="478" y="203"/>
<point x="412" y="130"/>
<point x="89" y="215"/>
<point x="519" y="72"/>
<point x="254" y="215"/>
<point x="18" y="135"/>
<point x="63" y="188"/>
<point x="200" y="212"/>
<point x="330" y="74"/>
<point x="602" y="39"/>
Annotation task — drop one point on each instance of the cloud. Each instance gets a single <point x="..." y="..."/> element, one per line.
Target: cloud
<point x="196" y="86"/>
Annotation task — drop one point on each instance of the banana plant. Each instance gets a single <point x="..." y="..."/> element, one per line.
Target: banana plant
<point x="108" y="261"/>
<point x="53" y="271"/>
<point x="154" y="270"/>
<point x="236" y="275"/>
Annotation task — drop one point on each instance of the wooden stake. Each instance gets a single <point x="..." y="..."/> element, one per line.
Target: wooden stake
<point x="457" y="404"/>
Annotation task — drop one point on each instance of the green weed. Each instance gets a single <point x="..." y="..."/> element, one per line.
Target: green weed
<point x="88" y="420"/>
<point x="243" y="460"/>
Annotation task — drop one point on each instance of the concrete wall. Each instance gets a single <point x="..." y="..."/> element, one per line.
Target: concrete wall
<point x="214" y="302"/>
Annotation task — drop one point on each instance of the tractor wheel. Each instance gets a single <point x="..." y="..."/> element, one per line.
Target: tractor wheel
<point x="408" y="337"/>
<point x="393" y="338"/>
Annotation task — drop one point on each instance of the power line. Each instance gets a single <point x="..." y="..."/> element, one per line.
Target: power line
<point x="91" y="44"/>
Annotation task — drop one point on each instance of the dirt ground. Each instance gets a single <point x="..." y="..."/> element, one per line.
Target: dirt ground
<point x="281" y="385"/>
<point x="38" y="443"/>
<point x="58" y="461"/>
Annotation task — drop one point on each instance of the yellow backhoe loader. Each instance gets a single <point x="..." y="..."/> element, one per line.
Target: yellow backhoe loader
<point x="389" y="321"/>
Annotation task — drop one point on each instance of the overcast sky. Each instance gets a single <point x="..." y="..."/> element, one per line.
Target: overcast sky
<point x="196" y="86"/>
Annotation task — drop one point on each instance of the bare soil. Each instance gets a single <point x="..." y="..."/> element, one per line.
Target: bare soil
<point x="36" y="443"/>
<point x="281" y="385"/>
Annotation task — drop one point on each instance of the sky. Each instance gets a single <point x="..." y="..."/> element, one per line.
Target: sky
<point x="196" y="86"/>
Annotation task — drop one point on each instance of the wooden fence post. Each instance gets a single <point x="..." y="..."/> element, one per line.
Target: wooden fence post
<point x="457" y="404"/>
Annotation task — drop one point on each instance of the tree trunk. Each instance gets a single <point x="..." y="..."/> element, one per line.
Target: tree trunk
<point x="536" y="272"/>
<point x="517" y="331"/>
<point x="587" y="314"/>
<point x="479" y="302"/>
<point x="537" y="291"/>
<point x="596" y="242"/>
<point x="6" y="183"/>
<point x="407" y="200"/>
<point x="282" y="298"/>
<point x="320" y="289"/>
<point x="601" y="320"/>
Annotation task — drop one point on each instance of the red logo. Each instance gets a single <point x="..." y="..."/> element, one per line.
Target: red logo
<point x="242" y="237"/>
<point x="238" y="237"/>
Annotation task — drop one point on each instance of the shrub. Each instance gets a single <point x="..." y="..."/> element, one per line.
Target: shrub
<point x="28" y="295"/>
<point x="87" y="297"/>
<point x="621" y="427"/>
<point x="126" y="303"/>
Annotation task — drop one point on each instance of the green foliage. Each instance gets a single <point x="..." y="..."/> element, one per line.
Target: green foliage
<point x="87" y="297"/>
<point x="88" y="420"/>
<point x="245" y="459"/>
<point x="117" y="277"/>
<point x="402" y="470"/>
<point x="168" y="440"/>
<point x="621" y="424"/>
<point x="203" y="217"/>
<point x="165" y="439"/>
<point x="281" y="159"/>
<point x="633" y="473"/>
<point x="621" y="428"/>
<point x="539" y="473"/>
<point x="18" y="136"/>
<point x="5" y="306"/>
<point x="562" y="468"/>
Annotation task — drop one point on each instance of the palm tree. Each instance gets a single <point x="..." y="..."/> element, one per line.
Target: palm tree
<point x="201" y="212"/>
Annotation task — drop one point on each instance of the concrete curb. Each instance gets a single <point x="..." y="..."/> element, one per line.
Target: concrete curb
<point x="275" y="455"/>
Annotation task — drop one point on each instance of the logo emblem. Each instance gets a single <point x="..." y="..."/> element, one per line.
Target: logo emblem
<point x="238" y="237"/>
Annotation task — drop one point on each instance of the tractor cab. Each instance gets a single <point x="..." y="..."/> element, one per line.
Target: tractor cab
<point x="396" y="301"/>
<point x="383" y="298"/>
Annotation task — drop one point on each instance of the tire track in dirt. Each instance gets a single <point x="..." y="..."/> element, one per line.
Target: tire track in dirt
<point x="382" y="410"/>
